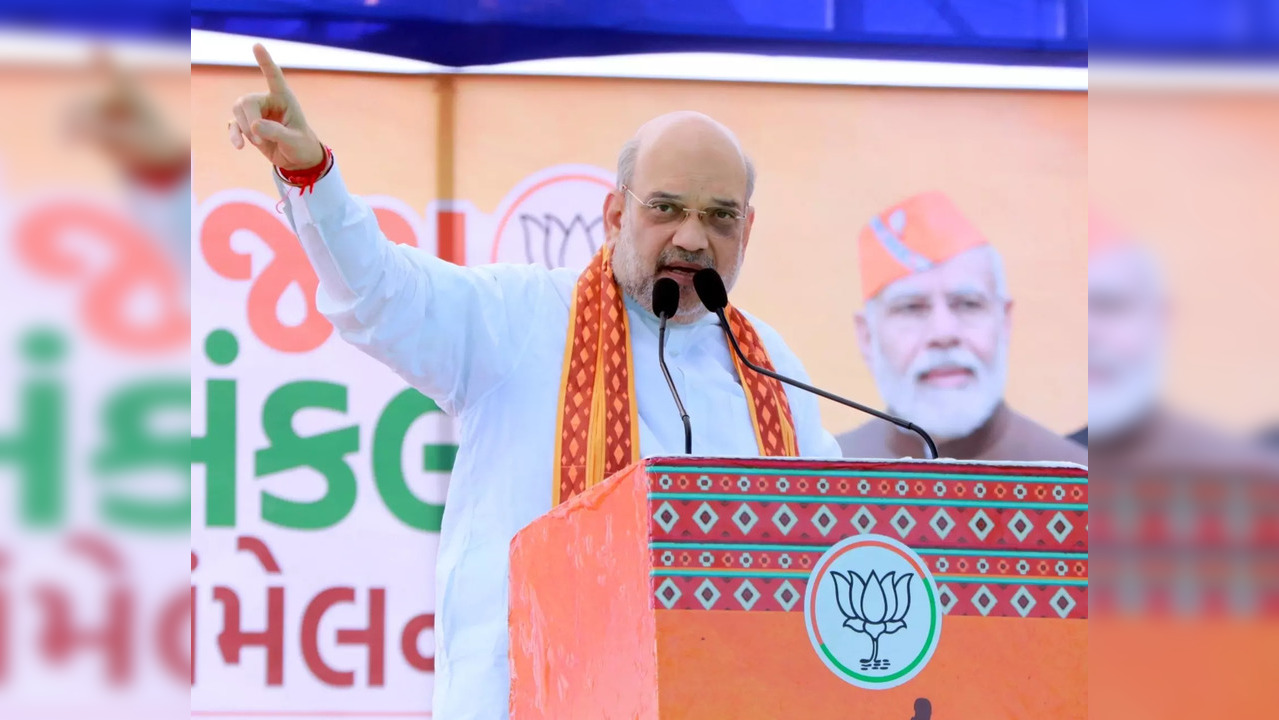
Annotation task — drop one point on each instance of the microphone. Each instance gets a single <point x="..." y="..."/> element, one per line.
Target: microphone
<point x="665" y="305"/>
<point x="711" y="291"/>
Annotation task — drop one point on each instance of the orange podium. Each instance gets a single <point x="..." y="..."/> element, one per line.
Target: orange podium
<point x="767" y="589"/>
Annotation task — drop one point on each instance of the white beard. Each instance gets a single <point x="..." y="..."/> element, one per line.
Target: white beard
<point x="629" y="273"/>
<point x="946" y="413"/>
<point x="1132" y="394"/>
<point x="637" y="281"/>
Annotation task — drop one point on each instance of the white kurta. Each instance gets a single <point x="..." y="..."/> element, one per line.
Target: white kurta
<point x="487" y="344"/>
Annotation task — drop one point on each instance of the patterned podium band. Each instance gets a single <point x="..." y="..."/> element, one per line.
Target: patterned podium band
<point x="597" y="432"/>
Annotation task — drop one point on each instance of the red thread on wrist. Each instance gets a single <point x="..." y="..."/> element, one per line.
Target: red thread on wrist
<point x="306" y="179"/>
<point x="162" y="176"/>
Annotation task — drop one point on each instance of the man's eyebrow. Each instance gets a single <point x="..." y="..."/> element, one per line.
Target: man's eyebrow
<point x="728" y="203"/>
<point x="968" y="290"/>
<point x="903" y="295"/>
<point x="663" y="195"/>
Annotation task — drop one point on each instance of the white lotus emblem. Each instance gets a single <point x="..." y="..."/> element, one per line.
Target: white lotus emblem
<point x="874" y="606"/>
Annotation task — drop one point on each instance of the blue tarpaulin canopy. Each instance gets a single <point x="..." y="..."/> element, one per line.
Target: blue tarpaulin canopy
<point x="165" y="20"/>
<point x="484" y="32"/>
<point x="1185" y="29"/>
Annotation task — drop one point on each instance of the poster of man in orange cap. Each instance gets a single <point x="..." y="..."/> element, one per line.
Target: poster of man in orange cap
<point x="934" y="331"/>
<point x="1130" y="421"/>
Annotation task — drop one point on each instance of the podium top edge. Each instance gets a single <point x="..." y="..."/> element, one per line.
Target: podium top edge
<point x="853" y="464"/>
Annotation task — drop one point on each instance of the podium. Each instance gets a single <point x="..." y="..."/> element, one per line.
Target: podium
<point x="679" y="589"/>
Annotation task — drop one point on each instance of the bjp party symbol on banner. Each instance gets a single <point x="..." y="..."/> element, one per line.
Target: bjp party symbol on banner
<point x="554" y="217"/>
<point x="872" y="612"/>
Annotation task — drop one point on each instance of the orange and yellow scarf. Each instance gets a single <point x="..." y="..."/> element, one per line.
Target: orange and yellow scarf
<point x="597" y="428"/>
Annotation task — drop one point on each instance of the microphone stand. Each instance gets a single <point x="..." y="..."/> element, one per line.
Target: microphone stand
<point x="928" y="441"/>
<point x="661" y="360"/>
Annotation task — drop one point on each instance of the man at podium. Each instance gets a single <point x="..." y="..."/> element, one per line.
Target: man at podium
<point x="934" y="332"/>
<point x="553" y="374"/>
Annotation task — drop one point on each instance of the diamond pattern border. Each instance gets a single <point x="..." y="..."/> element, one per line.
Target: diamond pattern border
<point x="946" y="598"/>
<point x="1046" y="488"/>
<point x="1023" y="602"/>
<point x="705" y="517"/>
<point x="1060" y="527"/>
<point x="903" y="522"/>
<point x="707" y="594"/>
<point x="864" y="520"/>
<point x="981" y="524"/>
<point x="824" y="520"/>
<point x="775" y="594"/>
<point x="984" y="600"/>
<point x="785" y="519"/>
<point x="1040" y="518"/>
<point x="1062" y="603"/>
<point x="668" y="593"/>
<point x="761" y="521"/>
<point x="942" y="523"/>
<point x="787" y="596"/>
<point x="1020" y="526"/>
<point x="747" y="595"/>
<point x="666" y="517"/>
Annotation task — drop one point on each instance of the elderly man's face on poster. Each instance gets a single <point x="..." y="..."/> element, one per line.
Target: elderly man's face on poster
<point x="937" y="343"/>
<point x="1126" y="316"/>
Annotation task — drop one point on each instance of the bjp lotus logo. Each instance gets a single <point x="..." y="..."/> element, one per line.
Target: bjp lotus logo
<point x="554" y="217"/>
<point x="551" y="241"/>
<point x="872" y="612"/>
<point x="874" y="606"/>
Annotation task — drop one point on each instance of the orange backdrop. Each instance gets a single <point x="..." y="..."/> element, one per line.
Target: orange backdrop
<point x="1195" y="177"/>
<point x="828" y="158"/>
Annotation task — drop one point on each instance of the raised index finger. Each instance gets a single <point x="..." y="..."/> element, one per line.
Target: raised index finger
<point x="274" y="76"/>
<point x="120" y="85"/>
<point x="106" y="69"/>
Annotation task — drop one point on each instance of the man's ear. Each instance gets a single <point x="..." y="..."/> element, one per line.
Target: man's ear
<point x="1008" y="317"/>
<point x="863" y="336"/>
<point x="750" y="222"/>
<point x="614" y="204"/>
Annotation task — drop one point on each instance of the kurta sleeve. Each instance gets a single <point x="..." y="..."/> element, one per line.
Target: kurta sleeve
<point x="164" y="213"/>
<point x="453" y="332"/>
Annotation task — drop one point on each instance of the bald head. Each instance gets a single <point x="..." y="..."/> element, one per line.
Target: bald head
<point x="685" y="142"/>
<point x="682" y="203"/>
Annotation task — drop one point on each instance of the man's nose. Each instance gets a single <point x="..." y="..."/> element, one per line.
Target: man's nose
<point x="943" y="327"/>
<point x="691" y="234"/>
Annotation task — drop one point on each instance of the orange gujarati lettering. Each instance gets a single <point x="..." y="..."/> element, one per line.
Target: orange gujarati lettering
<point x="46" y="238"/>
<point x="288" y="266"/>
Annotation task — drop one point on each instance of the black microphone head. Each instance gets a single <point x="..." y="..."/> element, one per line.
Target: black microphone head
<point x="710" y="289"/>
<point x="665" y="297"/>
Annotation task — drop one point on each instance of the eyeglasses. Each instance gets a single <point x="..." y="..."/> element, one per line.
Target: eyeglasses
<point x="966" y="309"/>
<point x="720" y="221"/>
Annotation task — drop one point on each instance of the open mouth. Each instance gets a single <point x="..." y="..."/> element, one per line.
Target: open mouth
<point x="679" y="271"/>
<point x="950" y="376"/>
